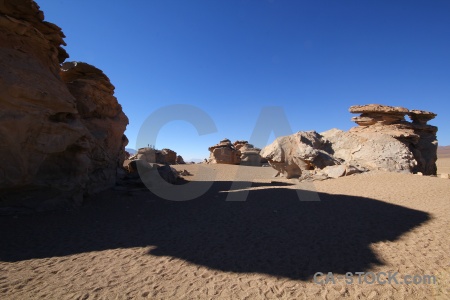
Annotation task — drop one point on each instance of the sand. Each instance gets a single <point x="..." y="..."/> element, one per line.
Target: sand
<point x="134" y="245"/>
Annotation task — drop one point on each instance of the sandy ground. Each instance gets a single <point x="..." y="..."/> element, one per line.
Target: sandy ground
<point x="443" y="165"/>
<point x="250" y="236"/>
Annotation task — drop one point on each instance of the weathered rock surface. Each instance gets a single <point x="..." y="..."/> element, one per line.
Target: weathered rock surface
<point x="224" y="153"/>
<point x="304" y="150"/>
<point x="102" y="115"/>
<point x="54" y="135"/>
<point x="375" y="113"/>
<point x="250" y="155"/>
<point x="383" y="141"/>
<point x="239" y="152"/>
<point x="418" y="137"/>
<point x="164" y="156"/>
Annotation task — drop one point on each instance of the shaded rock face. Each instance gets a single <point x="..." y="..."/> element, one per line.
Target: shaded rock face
<point x="383" y="141"/>
<point x="56" y="138"/>
<point x="102" y="115"/>
<point x="180" y="160"/>
<point x="166" y="156"/>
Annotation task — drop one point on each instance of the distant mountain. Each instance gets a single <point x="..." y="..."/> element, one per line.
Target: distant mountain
<point x="443" y="152"/>
<point x="196" y="160"/>
<point x="131" y="151"/>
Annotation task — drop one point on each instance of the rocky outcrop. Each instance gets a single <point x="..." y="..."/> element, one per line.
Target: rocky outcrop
<point x="250" y="155"/>
<point x="180" y="160"/>
<point x="383" y="141"/>
<point x="151" y="155"/>
<point x="224" y="153"/>
<point x="56" y="137"/>
<point x="239" y="152"/>
<point x="417" y="139"/>
<point x="239" y="144"/>
<point x="166" y="156"/>
<point x="102" y="115"/>
<point x="378" y="114"/>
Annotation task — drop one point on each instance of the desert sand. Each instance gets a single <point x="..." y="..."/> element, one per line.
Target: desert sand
<point x="130" y="244"/>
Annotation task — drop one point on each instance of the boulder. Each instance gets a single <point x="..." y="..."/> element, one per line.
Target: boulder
<point x="304" y="150"/>
<point x="168" y="173"/>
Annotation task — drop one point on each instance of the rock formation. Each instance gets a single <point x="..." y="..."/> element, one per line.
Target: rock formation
<point x="62" y="139"/>
<point x="383" y="141"/>
<point x="224" y="153"/>
<point x="180" y="160"/>
<point x="239" y="152"/>
<point x="164" y="156"/>
<point x="418" y="143"/>
<point x="102" y="115"/>
<point x="250" y="155"/>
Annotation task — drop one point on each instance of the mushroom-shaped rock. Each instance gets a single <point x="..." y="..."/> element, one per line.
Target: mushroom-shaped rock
<point x="378" y="114"/>
<point x="421" y="116"/>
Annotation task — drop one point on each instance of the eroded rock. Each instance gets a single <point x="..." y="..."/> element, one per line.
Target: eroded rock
<point x="224" y="153"/>
<point x="52" y="155"/>
<point x="383" y="141"/>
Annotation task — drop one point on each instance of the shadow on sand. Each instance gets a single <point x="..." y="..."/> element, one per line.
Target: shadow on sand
<point x="272" y="232"/>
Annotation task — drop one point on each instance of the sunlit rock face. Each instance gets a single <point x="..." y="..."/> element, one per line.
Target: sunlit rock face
<point x="58" y="140"/>
<point x="224" y="153"/>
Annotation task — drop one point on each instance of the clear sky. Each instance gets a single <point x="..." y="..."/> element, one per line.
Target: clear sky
<point x="232" y="58"/>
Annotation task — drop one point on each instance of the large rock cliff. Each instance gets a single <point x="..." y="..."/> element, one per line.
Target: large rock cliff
<point x="61" y="139"/>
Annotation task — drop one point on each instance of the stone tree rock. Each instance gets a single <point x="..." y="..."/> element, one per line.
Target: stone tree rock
<point x="418" y="139"/>
<point x="49" y="155"/>
<point x="383" y="141"/>
<point x="224" y="153"/>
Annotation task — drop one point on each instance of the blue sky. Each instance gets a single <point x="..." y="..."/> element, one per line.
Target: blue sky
<point x="232" y="58"/>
